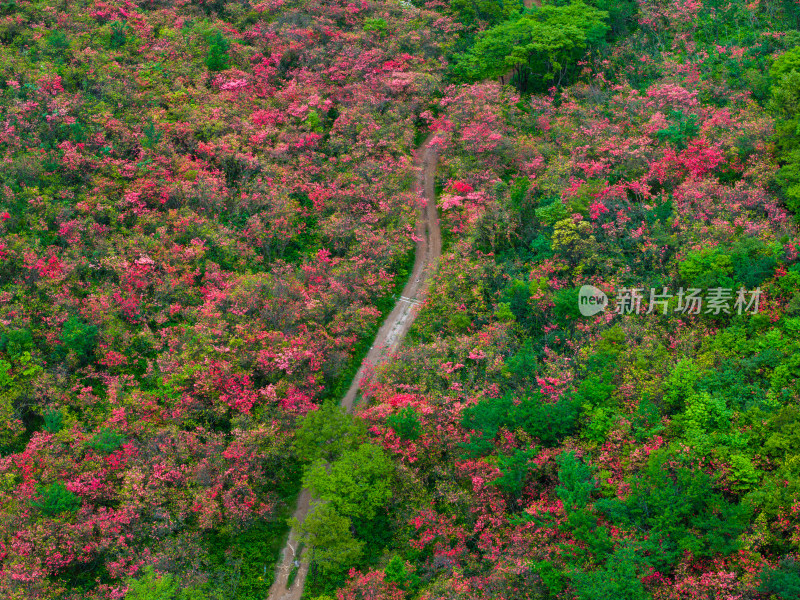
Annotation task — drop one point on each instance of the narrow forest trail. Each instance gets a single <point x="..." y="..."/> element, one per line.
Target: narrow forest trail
<point x="391" y="333"/>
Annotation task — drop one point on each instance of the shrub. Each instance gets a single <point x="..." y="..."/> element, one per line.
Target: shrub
<point x="56" y="499"/>
<point x="677" y="509"/>
<point x="405" y="423"/>
<point x="681" y="131"/>
<point x="106" y="441"/>
<point x="783" y="580"/>
<point x="152" y="586"/>
<point x="53" y="421"/>
<point x="79" y="337"/>
<point x="217" y="58"/>
<point x="119" y="35"/>
<point x="376" y="25"/>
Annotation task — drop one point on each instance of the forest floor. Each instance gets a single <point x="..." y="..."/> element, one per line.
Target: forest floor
<point x="388" y="338"/>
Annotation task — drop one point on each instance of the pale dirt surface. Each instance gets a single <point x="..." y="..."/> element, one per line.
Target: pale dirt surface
<point x="391" y="333"/>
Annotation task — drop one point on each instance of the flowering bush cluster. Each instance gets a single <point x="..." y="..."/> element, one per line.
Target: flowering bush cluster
<point x="203" y="209"/>
<point x="543" y="454"/>
<point x="207" y="206"/>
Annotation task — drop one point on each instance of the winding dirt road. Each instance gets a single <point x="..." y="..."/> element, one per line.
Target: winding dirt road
<point x="391" y="333"/>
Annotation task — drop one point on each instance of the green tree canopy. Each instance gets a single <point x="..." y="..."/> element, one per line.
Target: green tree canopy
<point x="405" y="423"/>
<point x="471" y="12"/>
<point x="620" y="578"/>
<point x="785" y="105"/>
<point x="56" y="499"/>
<point x="515" y="468"/>
<point x="576" y="482"/>
<point x="542" y="43"/>
<point x="326" y="433"/>
<point x="677" y="509"/>
<point x="546" y="421"/>
<point x="357" y="484"/>
<point x="328" y="534"/>
<point x="152" y="586"/>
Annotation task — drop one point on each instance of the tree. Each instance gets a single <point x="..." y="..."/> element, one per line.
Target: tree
<point x="152" y="586"/>
<point x="358" y="484"/>
<point x="620" y="578"/>
<point x="397" y="572"/>
<point x="471" y="12"/>
<point x="405" y="423"/>
<point x="56" y="499"/>
<point x="515" y="468"/>
<point x="708" y="268"/>
<point x="680" y="384"/>
<point x="576" y="483"/>
<point x="328" y="533"/>
<point x="53" y="421"/>
<point x="327" y="432"/>
<point x="79" y="337"/>
<point x="16" y="342"/>
<point x="783" y="581"/>
<point x="677" y="509"/>
<point x="217" y="58"/>
<point x="542" y="44"/>
<point x="575" y="489"/>
<point x="548" y="422"/>
<point x="524" y="363"/>
<point x="785" y="104"/>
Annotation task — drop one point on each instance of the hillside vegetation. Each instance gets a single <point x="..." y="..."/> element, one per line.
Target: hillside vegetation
<point x="206" y="208"/>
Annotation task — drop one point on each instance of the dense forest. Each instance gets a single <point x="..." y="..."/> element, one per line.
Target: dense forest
<point x="208" y="207"/>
